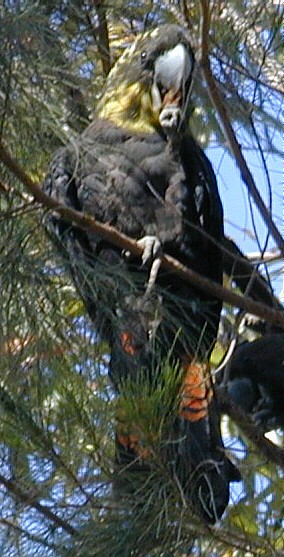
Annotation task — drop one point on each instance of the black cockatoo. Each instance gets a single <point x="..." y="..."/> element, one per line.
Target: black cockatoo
<point x="137" y="168"/>
<point x="256" y="380"/>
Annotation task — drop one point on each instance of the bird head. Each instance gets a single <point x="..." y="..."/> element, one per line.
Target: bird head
<point x="148" y="88"/>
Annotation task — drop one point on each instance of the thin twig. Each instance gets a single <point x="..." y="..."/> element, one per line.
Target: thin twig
<point x="100" y="34"/>
<point x="267" y="448"/>
<point x="228" y="131"/>
<point x="12" y="525"/>
<point x="41" y="437"/>
<point x="31" y="501"/>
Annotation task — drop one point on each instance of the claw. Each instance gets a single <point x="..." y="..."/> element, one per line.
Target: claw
<point x="151" y="246"/>
<point x="151" y="252"/>
<point x="153" y="274"/>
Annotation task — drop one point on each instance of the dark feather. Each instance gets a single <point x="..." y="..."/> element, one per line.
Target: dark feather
<point x="154" y="182"/>
<point x="258" y="366"/>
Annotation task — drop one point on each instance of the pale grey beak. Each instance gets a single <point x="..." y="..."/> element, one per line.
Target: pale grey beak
<point x="172" y="78"/>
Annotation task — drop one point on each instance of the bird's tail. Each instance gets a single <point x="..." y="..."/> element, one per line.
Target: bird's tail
<point x="191" y="447"/>
<point x="198" y="458"/>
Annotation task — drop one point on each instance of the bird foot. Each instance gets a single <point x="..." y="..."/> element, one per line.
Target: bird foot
<point x="151" y="247"/>
<point x="153" y="274"/>
<point x="151" y="252"/>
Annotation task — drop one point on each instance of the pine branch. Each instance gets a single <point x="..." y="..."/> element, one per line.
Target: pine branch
<point x="37" y="435"/>
<point x="88" y="223"/>
<point x="243" y="420"/>
<point x="240" y="269"/>
<point x="31" y="501"/>
<point x="228" y="131"/>
<point x="12" y="525"/>
<point x="100" y="34"/>
<point x="269" y="256"/>
<point x="244" y="543"/>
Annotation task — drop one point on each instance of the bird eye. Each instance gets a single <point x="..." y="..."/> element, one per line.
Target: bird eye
<point x="143" y="55"/>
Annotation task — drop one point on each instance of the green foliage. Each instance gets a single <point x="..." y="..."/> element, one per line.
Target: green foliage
<point x="57" y="408"/>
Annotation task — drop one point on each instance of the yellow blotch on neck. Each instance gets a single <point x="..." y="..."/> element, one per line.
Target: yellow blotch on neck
<point x="129" y="107"/>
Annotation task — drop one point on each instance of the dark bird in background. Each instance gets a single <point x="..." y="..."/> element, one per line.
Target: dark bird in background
<point x="137" y="168"/>
<point x="256" y="380"/>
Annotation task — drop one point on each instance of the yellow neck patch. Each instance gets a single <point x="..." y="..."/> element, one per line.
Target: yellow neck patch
<point x="129" y="107"/>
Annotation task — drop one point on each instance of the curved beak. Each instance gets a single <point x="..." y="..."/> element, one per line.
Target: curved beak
<point x="171" y="86"/>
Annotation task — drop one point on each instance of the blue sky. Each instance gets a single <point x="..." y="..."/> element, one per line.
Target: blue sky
<point x="233" y="192"/>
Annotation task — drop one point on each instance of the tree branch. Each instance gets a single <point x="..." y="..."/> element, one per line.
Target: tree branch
<point x="243" y="420"/>
<point x="244" y="542"/>
<point x="30" y="500"/>
<point x="88" y="223"/>
<point x="12" y="525"/>
<point x="37" y="434"/>
<point x="100" y="34"/>
<point x="240" y="270"/>
<point x="228" y="131"/>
